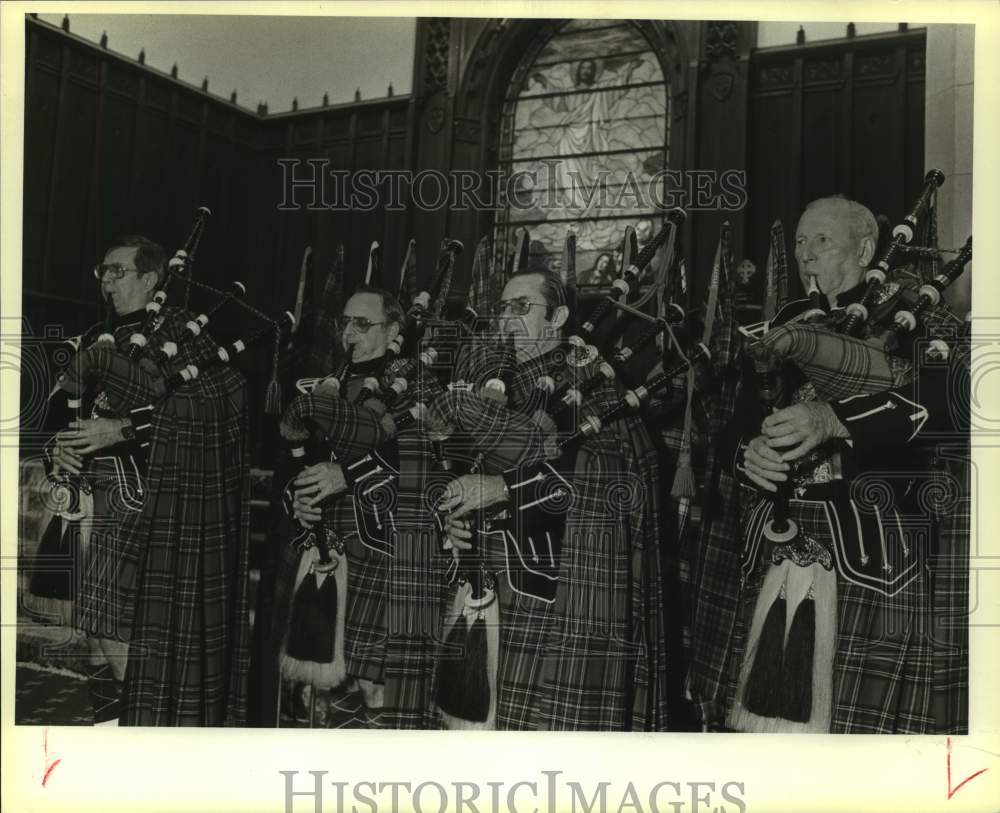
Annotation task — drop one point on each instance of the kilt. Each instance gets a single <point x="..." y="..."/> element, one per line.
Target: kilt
<point x="418" y="590"/>
<point x="364" y="629"/>
<point x="103" y="574"/>
<point x="883" y="665"/>
<point x="189" y="547"/>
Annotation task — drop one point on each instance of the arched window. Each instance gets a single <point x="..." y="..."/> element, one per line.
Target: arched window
<point x="585" y="136"/>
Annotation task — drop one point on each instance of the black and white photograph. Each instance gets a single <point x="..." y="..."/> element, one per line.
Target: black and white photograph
<point x="497" y="374"/>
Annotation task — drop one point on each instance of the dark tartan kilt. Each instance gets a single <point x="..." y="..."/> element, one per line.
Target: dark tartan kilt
<point x="364" y="626"/>
<point x="883" y="667"/>
<point x="107" y="577"/>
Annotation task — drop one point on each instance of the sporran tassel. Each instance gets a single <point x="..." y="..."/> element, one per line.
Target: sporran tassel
<point x="797" y="668"/>
<point x="314" y="646"/>
<point x="763" y="687"/>
<point x="465" y="693"/>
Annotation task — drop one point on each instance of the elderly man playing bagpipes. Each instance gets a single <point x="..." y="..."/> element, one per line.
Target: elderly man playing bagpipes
<point x="834" y="627"/>
<point x="156" y="480"/>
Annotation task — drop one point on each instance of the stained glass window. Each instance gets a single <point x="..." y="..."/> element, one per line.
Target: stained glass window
<point x="585" y="130"/>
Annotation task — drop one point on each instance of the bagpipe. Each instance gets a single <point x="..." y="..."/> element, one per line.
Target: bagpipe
<point x="134" y="376"/>
<point x="864" y="349"/>
<point x="341" y="421"/>
<point x="531" y="437"/>
<point x="313" y="650"/>
<point x="867" y="348"/>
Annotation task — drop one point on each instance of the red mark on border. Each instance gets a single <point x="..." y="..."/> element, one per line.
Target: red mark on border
<point x="953" y="790"/>
<point x="49" y="767"/>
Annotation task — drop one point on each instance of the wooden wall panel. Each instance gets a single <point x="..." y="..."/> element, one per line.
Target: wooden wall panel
<point x="113" y="180"/>
<point x="842" y="116"/>
<point x="148" y="199"/>
<point x="71" y="245"/>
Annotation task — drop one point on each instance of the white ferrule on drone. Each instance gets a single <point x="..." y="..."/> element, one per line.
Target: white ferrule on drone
<point x="239" y="346"/>
<point x="576" y="341"/>
<point x="621" y="285"/>
<point x="546" y="384"/>
<point x="877" y="274"/>
<point x="421" y="301"/>
<point x="606" y="370"/>
<point x="428" y="356"/>
<point x="202" y="319"/>
<point x="223" y="355"/>
<point x="858" y="310"/>
<point x="370" y="384"/>
<point x="399" y="385"/>
<point x="906" y="320"/>
<point x="938" y="350"/>
<point x="137" y="339"/>
<point x="396" y="345"/>
<point x="105" y="338"/>
<point x="932" y="292"/>
<point x="591" y="425"/>
<point x="624" y="354"/>
<point x="176" y="261"/>
<point x="572" y="397"/>
<point x="194" y="327"/>
<point x="632" y="271"/>
<point x="168" y="349"/>
<point x="634" y="398"/>
<point x="299" y="451"/>
<point x="905" y="229"/>
<point x="74" y="403"/>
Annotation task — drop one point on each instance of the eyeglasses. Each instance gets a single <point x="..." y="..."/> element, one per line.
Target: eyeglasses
<point x="360" y="323"/>
<point x="518" y="307"/>
<point x="116" y="270"/>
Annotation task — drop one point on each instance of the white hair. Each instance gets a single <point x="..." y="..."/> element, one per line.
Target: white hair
<point x="861" y="221"/>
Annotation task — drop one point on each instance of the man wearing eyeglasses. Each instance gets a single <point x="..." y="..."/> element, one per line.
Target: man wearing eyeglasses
<point x="164" y="557"/>
<point x="371" y="319"/>
<point x="128" y="276"/>
<point x="577" y="562"/>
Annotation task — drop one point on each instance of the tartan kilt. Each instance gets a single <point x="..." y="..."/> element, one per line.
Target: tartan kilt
<point x="573" y="664"/>
<point x="950" y="572"/>
<point x="99" y="609"/>
<point x="882" y="669"/>
<point x="364" y="626"/>
<point x="189" y="654"/>
<point x="417" y="591"/>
